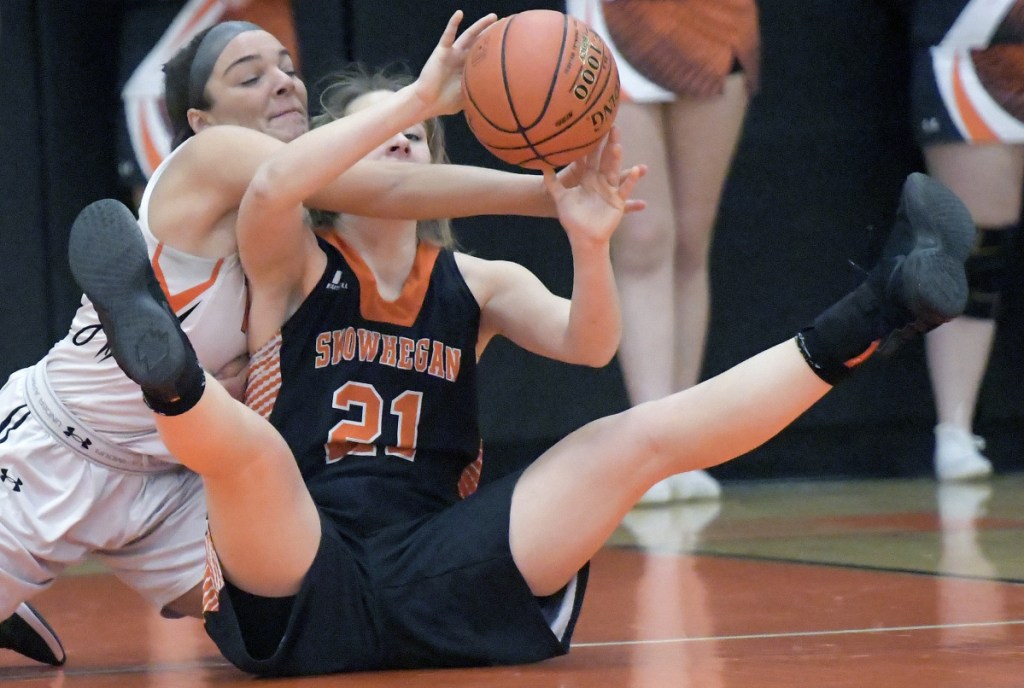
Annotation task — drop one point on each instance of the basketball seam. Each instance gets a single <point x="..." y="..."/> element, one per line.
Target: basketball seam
<point x="598" y="101"/>
<point x="532" y="145"/>
<point x="551" y="88"/>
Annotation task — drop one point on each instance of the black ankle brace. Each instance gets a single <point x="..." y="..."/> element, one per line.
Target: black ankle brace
<point x="849" y="331"/>
<point x="188" y="390"/>
<point x="824" y="364"/>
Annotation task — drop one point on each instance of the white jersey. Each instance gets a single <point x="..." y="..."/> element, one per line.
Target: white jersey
<point x="83" y="471"/>
<point x="208" y="295"/>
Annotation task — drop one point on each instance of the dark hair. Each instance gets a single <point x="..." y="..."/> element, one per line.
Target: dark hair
<point x="357" y="80"/>
<point x="187" y="73"/>
<point x="176" y="73"/>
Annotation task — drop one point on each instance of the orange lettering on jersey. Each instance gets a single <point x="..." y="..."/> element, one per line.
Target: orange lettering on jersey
<point x="437" y="360"/>
<point x="336" y="346"/>
<point x="977" y="129"/>
<point x="348" y="345"/>
<point x="452" y="359"/>
<point x="323" y="350"/>
<point x="389" y="355"/>
<point x="335" y="451"/>
<point x="422" y="354"/>
<point x="405" y="348"/>
<point x="368" y="343"/>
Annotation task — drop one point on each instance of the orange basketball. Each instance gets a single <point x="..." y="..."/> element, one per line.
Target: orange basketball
<point x="541" y="89"/>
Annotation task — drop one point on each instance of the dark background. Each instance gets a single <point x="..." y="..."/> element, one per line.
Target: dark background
<point x="817" y="175"/>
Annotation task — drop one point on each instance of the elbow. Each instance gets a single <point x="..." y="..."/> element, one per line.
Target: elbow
<point x="598" y="357"/>
<point x="598" y="350"/>
<point x="262" y="189"/>
<point x="602" y="360"/>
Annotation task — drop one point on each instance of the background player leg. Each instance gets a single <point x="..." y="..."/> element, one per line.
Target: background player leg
<point x="989" y="180"/>
<point x="661" y="256"/>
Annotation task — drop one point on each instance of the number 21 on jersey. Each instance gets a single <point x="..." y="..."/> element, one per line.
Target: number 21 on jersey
<point x="360" y="437"/>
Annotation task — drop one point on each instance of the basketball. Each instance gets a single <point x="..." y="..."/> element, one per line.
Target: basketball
<point x="541" y="89"/>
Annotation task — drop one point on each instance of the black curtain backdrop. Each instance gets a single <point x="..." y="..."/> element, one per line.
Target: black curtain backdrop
<point x="816" y="179"/>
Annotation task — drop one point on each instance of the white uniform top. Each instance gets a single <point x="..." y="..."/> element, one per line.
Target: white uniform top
<point x="208" y="295"/>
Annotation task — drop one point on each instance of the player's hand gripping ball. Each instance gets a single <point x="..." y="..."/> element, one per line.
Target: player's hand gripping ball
<point x="541" y="89"/>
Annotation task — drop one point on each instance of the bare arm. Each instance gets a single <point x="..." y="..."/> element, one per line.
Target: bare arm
<point x="377" y="188"/>
<point x="205" y="182"/>
<point x="279" y="254"/>
<point x="514" y="303"/>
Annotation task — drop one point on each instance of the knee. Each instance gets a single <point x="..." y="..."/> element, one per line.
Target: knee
<point x="987" y="272"/>
<point x="644" y="246"/>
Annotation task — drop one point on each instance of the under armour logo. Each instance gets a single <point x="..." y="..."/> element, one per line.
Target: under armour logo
<point x="335" y="284"/>
<point x="84" y="441"/>
<point x="4" y="477"/>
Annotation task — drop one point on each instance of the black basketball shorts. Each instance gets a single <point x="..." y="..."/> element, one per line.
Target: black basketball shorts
<point x="441" y="591"/>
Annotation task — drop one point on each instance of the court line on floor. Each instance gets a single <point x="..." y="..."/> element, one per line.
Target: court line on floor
<point x="799" y="634"/>
<point x="39" y="671"/>
<point x="774" y="559"/>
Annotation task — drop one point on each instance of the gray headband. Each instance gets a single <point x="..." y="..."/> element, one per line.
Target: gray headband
<point x="209" y="50"/>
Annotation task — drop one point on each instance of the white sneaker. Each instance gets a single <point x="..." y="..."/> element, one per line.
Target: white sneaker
<point x="677" y="528"/>
<point x="688" y="486"/>
<point x="660" y="493"/>
<point x="958" y="454"/>
<point x="695" y="485"/>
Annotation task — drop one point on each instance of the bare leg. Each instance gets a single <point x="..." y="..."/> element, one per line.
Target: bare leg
<point x="688" y="147"/>
<point x="642" y="255"/>
<point x="587" y="482"/>
<point x="988" y="179"/>
<point x="957" y="359"/>
<point x="703" y="134"/>
<point x="643" y="258"/>
<point x="262" y="519"/>
<point x="702" y="138"/>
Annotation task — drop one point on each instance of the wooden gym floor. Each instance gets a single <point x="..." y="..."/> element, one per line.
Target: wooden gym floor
<point x="823" y="584"/>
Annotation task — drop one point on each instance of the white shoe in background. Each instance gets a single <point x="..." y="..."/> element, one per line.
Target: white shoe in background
<point x="687" y="486"/>
<point x="660" y="493"/>
<point x="695" y="485"/>
<point x="958" y="454"/>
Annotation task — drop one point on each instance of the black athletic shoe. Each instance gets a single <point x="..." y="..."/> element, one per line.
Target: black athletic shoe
<point x="110" y="262"/>
<point x="924" y="256"/>
<point x="28" y="634"/>
<point x="918" y="284"/>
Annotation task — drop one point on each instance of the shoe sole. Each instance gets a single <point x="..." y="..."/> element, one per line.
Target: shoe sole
<point x="110" y="262"/>
<point x="934" y="281"/>
<point x="962" y="476"/>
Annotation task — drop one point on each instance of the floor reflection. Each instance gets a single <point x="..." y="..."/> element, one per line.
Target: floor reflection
<point x="961" y="508"/>
<point x="672" y="597"/>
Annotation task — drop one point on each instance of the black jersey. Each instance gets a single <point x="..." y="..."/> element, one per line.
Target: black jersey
<point x="377" y="400"/>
